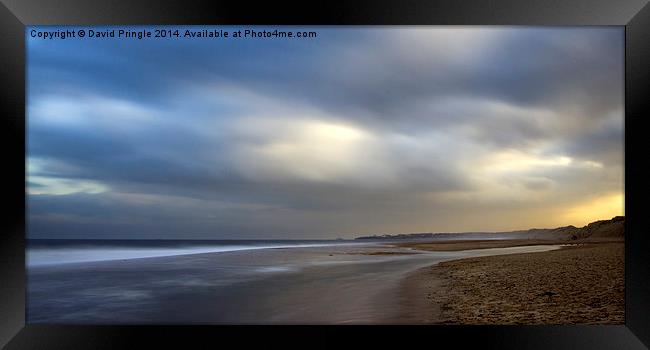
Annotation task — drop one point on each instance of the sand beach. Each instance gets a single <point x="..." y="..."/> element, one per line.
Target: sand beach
<point x="577" y="284"/>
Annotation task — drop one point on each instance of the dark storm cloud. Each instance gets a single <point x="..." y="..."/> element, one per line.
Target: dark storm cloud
<point x="604" y="144"/>
<point x="357" y="130"/>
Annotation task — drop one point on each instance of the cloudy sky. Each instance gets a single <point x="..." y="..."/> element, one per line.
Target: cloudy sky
<point x="361" y="130"/>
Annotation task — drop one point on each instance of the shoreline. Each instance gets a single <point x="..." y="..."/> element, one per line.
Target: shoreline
<point x="581" y="283"/>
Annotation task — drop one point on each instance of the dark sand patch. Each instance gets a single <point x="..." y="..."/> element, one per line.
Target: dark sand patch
<point x="419" y="303"/>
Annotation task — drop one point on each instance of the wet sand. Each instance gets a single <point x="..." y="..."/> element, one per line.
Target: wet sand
<point x="578" y="284"/>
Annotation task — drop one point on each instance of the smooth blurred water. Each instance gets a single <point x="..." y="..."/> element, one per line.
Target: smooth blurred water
<point x="56" y="252"/>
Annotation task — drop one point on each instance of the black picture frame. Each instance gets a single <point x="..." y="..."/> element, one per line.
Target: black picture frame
<point x="16" y="14"/>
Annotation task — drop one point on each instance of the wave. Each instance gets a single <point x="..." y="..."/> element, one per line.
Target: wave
<point x="68" y="255"/>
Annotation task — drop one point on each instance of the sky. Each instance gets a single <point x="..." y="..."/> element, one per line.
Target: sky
<point x="361" y="130"/>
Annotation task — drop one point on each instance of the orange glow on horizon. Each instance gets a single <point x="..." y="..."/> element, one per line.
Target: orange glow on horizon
<point x="600" y="208"/>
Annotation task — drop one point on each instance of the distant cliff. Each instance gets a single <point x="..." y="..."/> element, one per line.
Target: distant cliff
<point x="607" y="228"/>
<point x="613" y="228"/>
